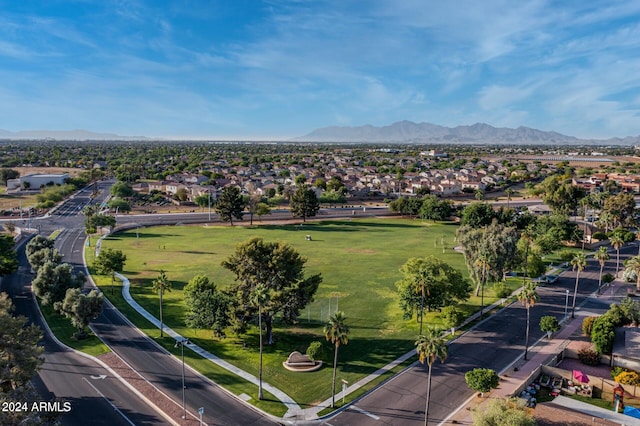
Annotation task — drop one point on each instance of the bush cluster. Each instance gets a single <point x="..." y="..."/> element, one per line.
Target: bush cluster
<point x="587" y="325"/>
<point x="588" y="356"/>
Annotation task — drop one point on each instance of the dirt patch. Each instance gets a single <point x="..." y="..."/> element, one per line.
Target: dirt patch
<point x="48" y="170"/>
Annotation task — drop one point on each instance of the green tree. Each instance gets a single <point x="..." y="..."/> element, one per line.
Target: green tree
<point x="477" y="215"/>
<point x="6" y="174"/>
<point x="434" y="208"/>
<point x="53" y="280"/>
<point x="280" y="268"/>
<point x="337" y="332"/>
<point x="230" y="204"/>
<point x="482" y="380"/>
<point x="263" y="209"/>
<point x="603" y="333"/>
<point x="504" y="412"/>
<point x="528" y="297"/>
<point x="578" y="263"/>
<point x="8" y="256"/>
<point x="93" y="223"/>
<point x="207" y="307"/>
<point x="122" y="190"/>
<point x="304" y="203"/>
<point x="429" y="283"/>
<point x="38" y="258"/>
<point x="119" y="205"/>
<point x="160" y="285"/>
<point x="110" y="261"/>
<point x="80" y="308"/>
<point x="549" y="324"/>
<point x="559" y="194"/>
<point x="20" y="359"/>
<point x="602" y="255"/>
<point x="488" y="252"/>
<point x="621" y="208"/>
<point x="430" y="347"/>
<point x="38" y="243"/>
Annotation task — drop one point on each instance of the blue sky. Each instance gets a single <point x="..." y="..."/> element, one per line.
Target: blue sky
<point x="240" y="69"/>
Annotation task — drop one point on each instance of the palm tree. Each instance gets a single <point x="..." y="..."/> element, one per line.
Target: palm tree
<point x="602" y="255"/>
<point x="161" y="284"/>
<point x="633" y="264"/>
<point x="617" y="242"/>
<point x="260" y="297"/>
<point x="509" y="193"/>
<point x="528" y="297"/>
<point x="579" y="262"/>
<point x="430" y="346"/>
<point x="338" y="333"/>
<point x="638" y="238"/>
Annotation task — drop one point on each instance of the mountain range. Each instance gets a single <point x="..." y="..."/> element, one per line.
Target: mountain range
<point x="399" y="132"/>
<point x="67" y="135"/>
<point x="479" y="133"/>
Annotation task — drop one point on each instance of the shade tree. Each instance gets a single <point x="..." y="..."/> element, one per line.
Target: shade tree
<point x="52" y="281"/>
<point x="230" y="204"/>
<point x="281" y="269"/>
<point x="304" y="203"/>
<point x="80" y="308"/>
<point x="429" y="284"/>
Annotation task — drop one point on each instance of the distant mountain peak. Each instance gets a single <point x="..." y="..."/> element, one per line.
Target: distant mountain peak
<point x="479" y="133"/>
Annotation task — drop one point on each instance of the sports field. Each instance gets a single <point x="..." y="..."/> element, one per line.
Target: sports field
<point x="359" y="262"/>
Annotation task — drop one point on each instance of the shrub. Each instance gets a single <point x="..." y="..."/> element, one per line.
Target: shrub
<point x="316" y="351"/>
<point x="566" y="255"/>
<point x="451" y="317"/>
<point x="587" y="325"/>
<point x="482" y="379"/>
<point x="615" y="371"/>
<point x="599" y="236"/>
<point x="588" y="356"/>
<point x="549" y="324"/>
<point x="603" y="333"/>
<point x="628" y="378"/>
<point x="501" y="290"/>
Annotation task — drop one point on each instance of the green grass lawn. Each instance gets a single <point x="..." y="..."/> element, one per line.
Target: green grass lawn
<point x="359" y="262"/>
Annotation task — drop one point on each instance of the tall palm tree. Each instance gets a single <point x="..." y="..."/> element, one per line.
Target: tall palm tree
<point x="617" y="242"/>
<point x="633" y="264"/>
<point x="601" y="255"/>
<point x="579" y="262"/>
<point x="161" y="284"/>
<point x="528" y="297"/>
<point x="260" y="298"/>
<point x="338" y="333"/>
<point x="509" y="193"/>
<point x="638" y="238"/>
<point x="430" y="346"/>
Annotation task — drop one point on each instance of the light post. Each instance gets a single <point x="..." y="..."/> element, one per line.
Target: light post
<point x="566" y="304"/>
<point x="181" y="343"/>
<point x="201" y="412"/>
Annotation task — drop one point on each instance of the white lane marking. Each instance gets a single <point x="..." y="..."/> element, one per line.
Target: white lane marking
<point x="366" y="413"/>
<point x="110" y="403"/>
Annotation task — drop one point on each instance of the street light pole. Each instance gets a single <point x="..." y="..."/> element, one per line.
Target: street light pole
<point x="181" y="343"/>
<point x="566" y="305"/>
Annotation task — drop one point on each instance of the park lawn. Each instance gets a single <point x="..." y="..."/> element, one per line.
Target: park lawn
<point x="359" y="261"/>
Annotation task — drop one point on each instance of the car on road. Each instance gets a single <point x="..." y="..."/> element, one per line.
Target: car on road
<point x="546" y="279"/>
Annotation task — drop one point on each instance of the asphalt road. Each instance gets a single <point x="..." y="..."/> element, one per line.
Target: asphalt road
<point x="94" y="395"/>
